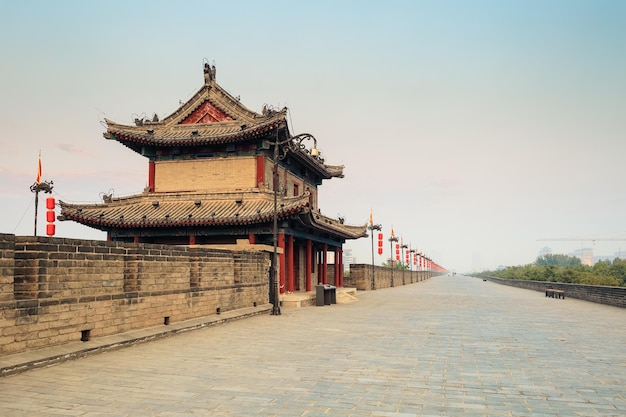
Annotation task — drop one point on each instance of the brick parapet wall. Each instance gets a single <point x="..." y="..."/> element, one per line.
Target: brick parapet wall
<point x="361" y="277"/>
<point x="7" y="267"/>
<point x="53" y="289"/>
<point x="614" y="296"/>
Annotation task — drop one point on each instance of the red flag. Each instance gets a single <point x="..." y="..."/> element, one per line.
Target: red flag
<point x="38" y="180"/>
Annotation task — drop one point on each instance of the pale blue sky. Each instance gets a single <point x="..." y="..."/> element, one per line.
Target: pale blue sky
<point x="473" y="127"/>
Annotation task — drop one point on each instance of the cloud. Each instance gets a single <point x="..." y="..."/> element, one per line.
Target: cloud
<point x="71" y="148"/>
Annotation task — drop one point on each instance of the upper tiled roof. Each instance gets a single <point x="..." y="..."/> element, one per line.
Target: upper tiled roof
<point x="166" y="210"/>
<point x="211" y="116"/>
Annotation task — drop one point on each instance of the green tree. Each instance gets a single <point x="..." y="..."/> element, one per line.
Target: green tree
<point x="618" y="270"/>
<point x="557" y="260"/>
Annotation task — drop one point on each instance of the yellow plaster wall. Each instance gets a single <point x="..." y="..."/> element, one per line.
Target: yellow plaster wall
<point x="214" y="174"/>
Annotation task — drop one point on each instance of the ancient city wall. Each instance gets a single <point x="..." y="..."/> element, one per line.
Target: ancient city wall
<point x="57" y="290"/>
<point x="614" y="296"/>
<point x="361" y="277"/>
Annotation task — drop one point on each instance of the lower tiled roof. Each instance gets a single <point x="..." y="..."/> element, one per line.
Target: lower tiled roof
<point x="167" y="210"/>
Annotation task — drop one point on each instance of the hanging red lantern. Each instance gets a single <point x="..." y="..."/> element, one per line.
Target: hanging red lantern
<point x="50" y="216"/>
<point x="380" y="251"/>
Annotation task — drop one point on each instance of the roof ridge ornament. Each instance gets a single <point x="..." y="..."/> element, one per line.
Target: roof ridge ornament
<point x="209" y="74"/>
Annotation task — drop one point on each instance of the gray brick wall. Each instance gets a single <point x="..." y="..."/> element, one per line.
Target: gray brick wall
<point x="52" y="289"/>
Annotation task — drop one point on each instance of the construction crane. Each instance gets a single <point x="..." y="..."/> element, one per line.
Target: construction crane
<point x="584" y="239"/>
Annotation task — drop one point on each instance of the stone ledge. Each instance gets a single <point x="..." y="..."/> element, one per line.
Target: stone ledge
<point x="20" y="362"/>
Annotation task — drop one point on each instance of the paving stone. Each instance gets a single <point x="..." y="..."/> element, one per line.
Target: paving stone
<point x="448" y="346"/>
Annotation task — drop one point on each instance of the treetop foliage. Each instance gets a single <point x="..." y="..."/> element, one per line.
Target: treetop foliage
<point x="557" y="260"/>
<point x="563" y="268"/>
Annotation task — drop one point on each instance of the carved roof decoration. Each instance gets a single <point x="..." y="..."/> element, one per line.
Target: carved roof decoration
<point x="166" y="210"/>
<point x="211" y="116"/>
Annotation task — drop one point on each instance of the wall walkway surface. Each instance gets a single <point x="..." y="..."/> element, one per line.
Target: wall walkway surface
<point x="57" y="290"/>
<point x="613" y="296"/>
<point x="448" y="346"/>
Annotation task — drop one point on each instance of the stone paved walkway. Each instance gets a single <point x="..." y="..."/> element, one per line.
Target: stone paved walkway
<point x="449" y="346"/>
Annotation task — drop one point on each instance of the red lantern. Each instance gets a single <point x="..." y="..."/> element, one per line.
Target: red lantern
<point x="380" y="251"/>
<point x="50" y="217"/>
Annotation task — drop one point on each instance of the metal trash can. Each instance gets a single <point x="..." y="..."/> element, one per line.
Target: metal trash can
<point x="331" y="294"/>
<point x="325" y="295"/>
<point x="319" y="295"/>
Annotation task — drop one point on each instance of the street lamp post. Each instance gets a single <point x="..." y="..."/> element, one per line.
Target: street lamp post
<point x="44" y="186"/>
<point x="404" y="246"/>
<point x="373" y="227"/>
<point x="412" y="254"/>
<point x="291" y="144"/>
<point x="392" y="240"/>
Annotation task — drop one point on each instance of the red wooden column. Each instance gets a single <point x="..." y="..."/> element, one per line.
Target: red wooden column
<point x="340" y="264"/>
<point x="325" y="264"/>
<point x="260" y="170"/>
<point x="290" y="267"/>
<point x="251" y="238"/>
<point x="192" y="240"/>
<point x="281" y="262"/>
<point x="137" y="239"/>
<point x="308" y="263"/>
<point x="151" y="171"/>
<point x="336" y="267"/>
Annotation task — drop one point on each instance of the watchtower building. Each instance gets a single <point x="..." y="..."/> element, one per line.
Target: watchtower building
<point x="218" y="174"/>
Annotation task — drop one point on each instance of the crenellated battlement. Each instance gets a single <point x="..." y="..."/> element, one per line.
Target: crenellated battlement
<point x="57" y="290"/>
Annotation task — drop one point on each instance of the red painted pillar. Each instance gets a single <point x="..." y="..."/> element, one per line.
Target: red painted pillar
<point x="309" y="263"/>
<point x="281" y="262"/>
<point x="290" y="267"/>
<point x="137" y="239"/>
<point x="325" y="264"/>
<point x="340" y="250"/>
<point x="151" y="173"/>
<point x="336" y="268"/>
<point x="251" y="238"/>
<point x="192" y="240"/>
<point x="260" y="170"/>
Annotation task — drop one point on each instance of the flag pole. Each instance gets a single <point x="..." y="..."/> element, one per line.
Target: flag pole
<point x="39" y="185"/>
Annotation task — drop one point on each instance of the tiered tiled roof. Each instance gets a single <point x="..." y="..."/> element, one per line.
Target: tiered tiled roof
<point x="211" y="116"/>
<point x="166" y="210"/>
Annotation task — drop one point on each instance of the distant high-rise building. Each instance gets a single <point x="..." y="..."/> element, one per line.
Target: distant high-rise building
<point x="585" y="255"/>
